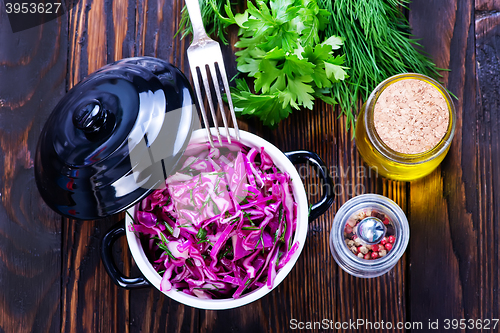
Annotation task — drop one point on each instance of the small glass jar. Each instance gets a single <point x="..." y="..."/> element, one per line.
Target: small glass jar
<point x="354" y="220"/>
<point x="388" y="162"/>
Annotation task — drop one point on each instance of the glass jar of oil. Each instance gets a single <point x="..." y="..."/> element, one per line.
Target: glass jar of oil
<point x="389" y="162"/>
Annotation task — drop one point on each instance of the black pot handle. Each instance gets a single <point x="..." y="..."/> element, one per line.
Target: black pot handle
<point x="117" y="231"/>
<point x="304" y="156"/>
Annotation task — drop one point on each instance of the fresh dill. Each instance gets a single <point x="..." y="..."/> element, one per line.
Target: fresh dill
<point x="377" y="44"/>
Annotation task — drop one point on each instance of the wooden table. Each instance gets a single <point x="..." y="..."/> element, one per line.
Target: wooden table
<point x="51" y="275"/>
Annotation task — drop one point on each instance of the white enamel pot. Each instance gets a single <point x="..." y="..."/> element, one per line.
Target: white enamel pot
<point x="285" y="162"/>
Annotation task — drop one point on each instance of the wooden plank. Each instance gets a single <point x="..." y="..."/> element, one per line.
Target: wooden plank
<point x="90" y="300"/>
<point x="488" y="160"/>
<point x="99" y="32"/>
<point x="487" y="6"/>
<point x="102" y="32"/>
<point x="152" y="311"/>
<point x="445" y="256"/>
<point x="32" y="80"/>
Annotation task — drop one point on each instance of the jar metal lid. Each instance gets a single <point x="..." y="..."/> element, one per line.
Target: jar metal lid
<point x="396" y="225"/>
<point x="371" y="230"/>
<point x="114" y="138"/>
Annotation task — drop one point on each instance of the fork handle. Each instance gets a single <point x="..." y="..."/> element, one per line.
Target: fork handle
<point x="199" y="32"/>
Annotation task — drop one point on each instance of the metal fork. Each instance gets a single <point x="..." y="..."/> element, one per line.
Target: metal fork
<point x="203" y="52"/>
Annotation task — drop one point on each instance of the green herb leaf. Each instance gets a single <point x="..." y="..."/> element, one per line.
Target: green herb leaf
<point x="202" y="234"/>
<point x="228" y="249"/>
<point x="129" y="215"/>
<point x="282" y="238"/>
<point x="334" y="71"/>
<point x="334" y="41"/>
<point x="169" y="228"/>
<point x="205" y="241"/>
<point x="163" y="238"/>
<point x="250" y="228"/>
<point x="302" y="91"/>
<point x="272" y="41"/>
<point x="222" y="173"/>
<point x="248" y="217"/>
<point x="165" y="248"/>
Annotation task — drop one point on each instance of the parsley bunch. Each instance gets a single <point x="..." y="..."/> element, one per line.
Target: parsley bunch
<point x="281" y="51"/>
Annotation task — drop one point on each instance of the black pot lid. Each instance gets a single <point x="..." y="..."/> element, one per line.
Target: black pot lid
<point x="114" y="138"/>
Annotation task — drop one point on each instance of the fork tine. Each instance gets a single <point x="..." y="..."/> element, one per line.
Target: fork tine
<point x="205" y="51"/>
<point x="203" y="72"/>
<point x="196" y="81"/>
<point x="222" y="70"/>
<point x="213" y="73"/>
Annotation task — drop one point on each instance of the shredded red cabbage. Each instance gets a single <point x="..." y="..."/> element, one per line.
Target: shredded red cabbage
<point x="223" y="225"/>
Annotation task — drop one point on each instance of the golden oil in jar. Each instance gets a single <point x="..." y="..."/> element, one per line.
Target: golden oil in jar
<point x="402" y="136"/>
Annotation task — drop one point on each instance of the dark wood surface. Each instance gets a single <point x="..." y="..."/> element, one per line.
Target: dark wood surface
<point x="51" y="276"/>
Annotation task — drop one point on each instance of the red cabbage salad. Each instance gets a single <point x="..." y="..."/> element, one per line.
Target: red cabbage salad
<point x="223" y="225"/>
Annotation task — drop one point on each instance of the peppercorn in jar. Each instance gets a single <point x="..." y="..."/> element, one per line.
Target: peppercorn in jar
<point x="373" y="224"/>
<point x="369" y="235"/>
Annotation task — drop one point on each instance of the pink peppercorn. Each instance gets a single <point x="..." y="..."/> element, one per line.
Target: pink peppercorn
<point x="358" y="247"/>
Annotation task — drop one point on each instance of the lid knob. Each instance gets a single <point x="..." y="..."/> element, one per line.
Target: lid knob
<point x="91" y="117"/>
<point x="371" y="230"/>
